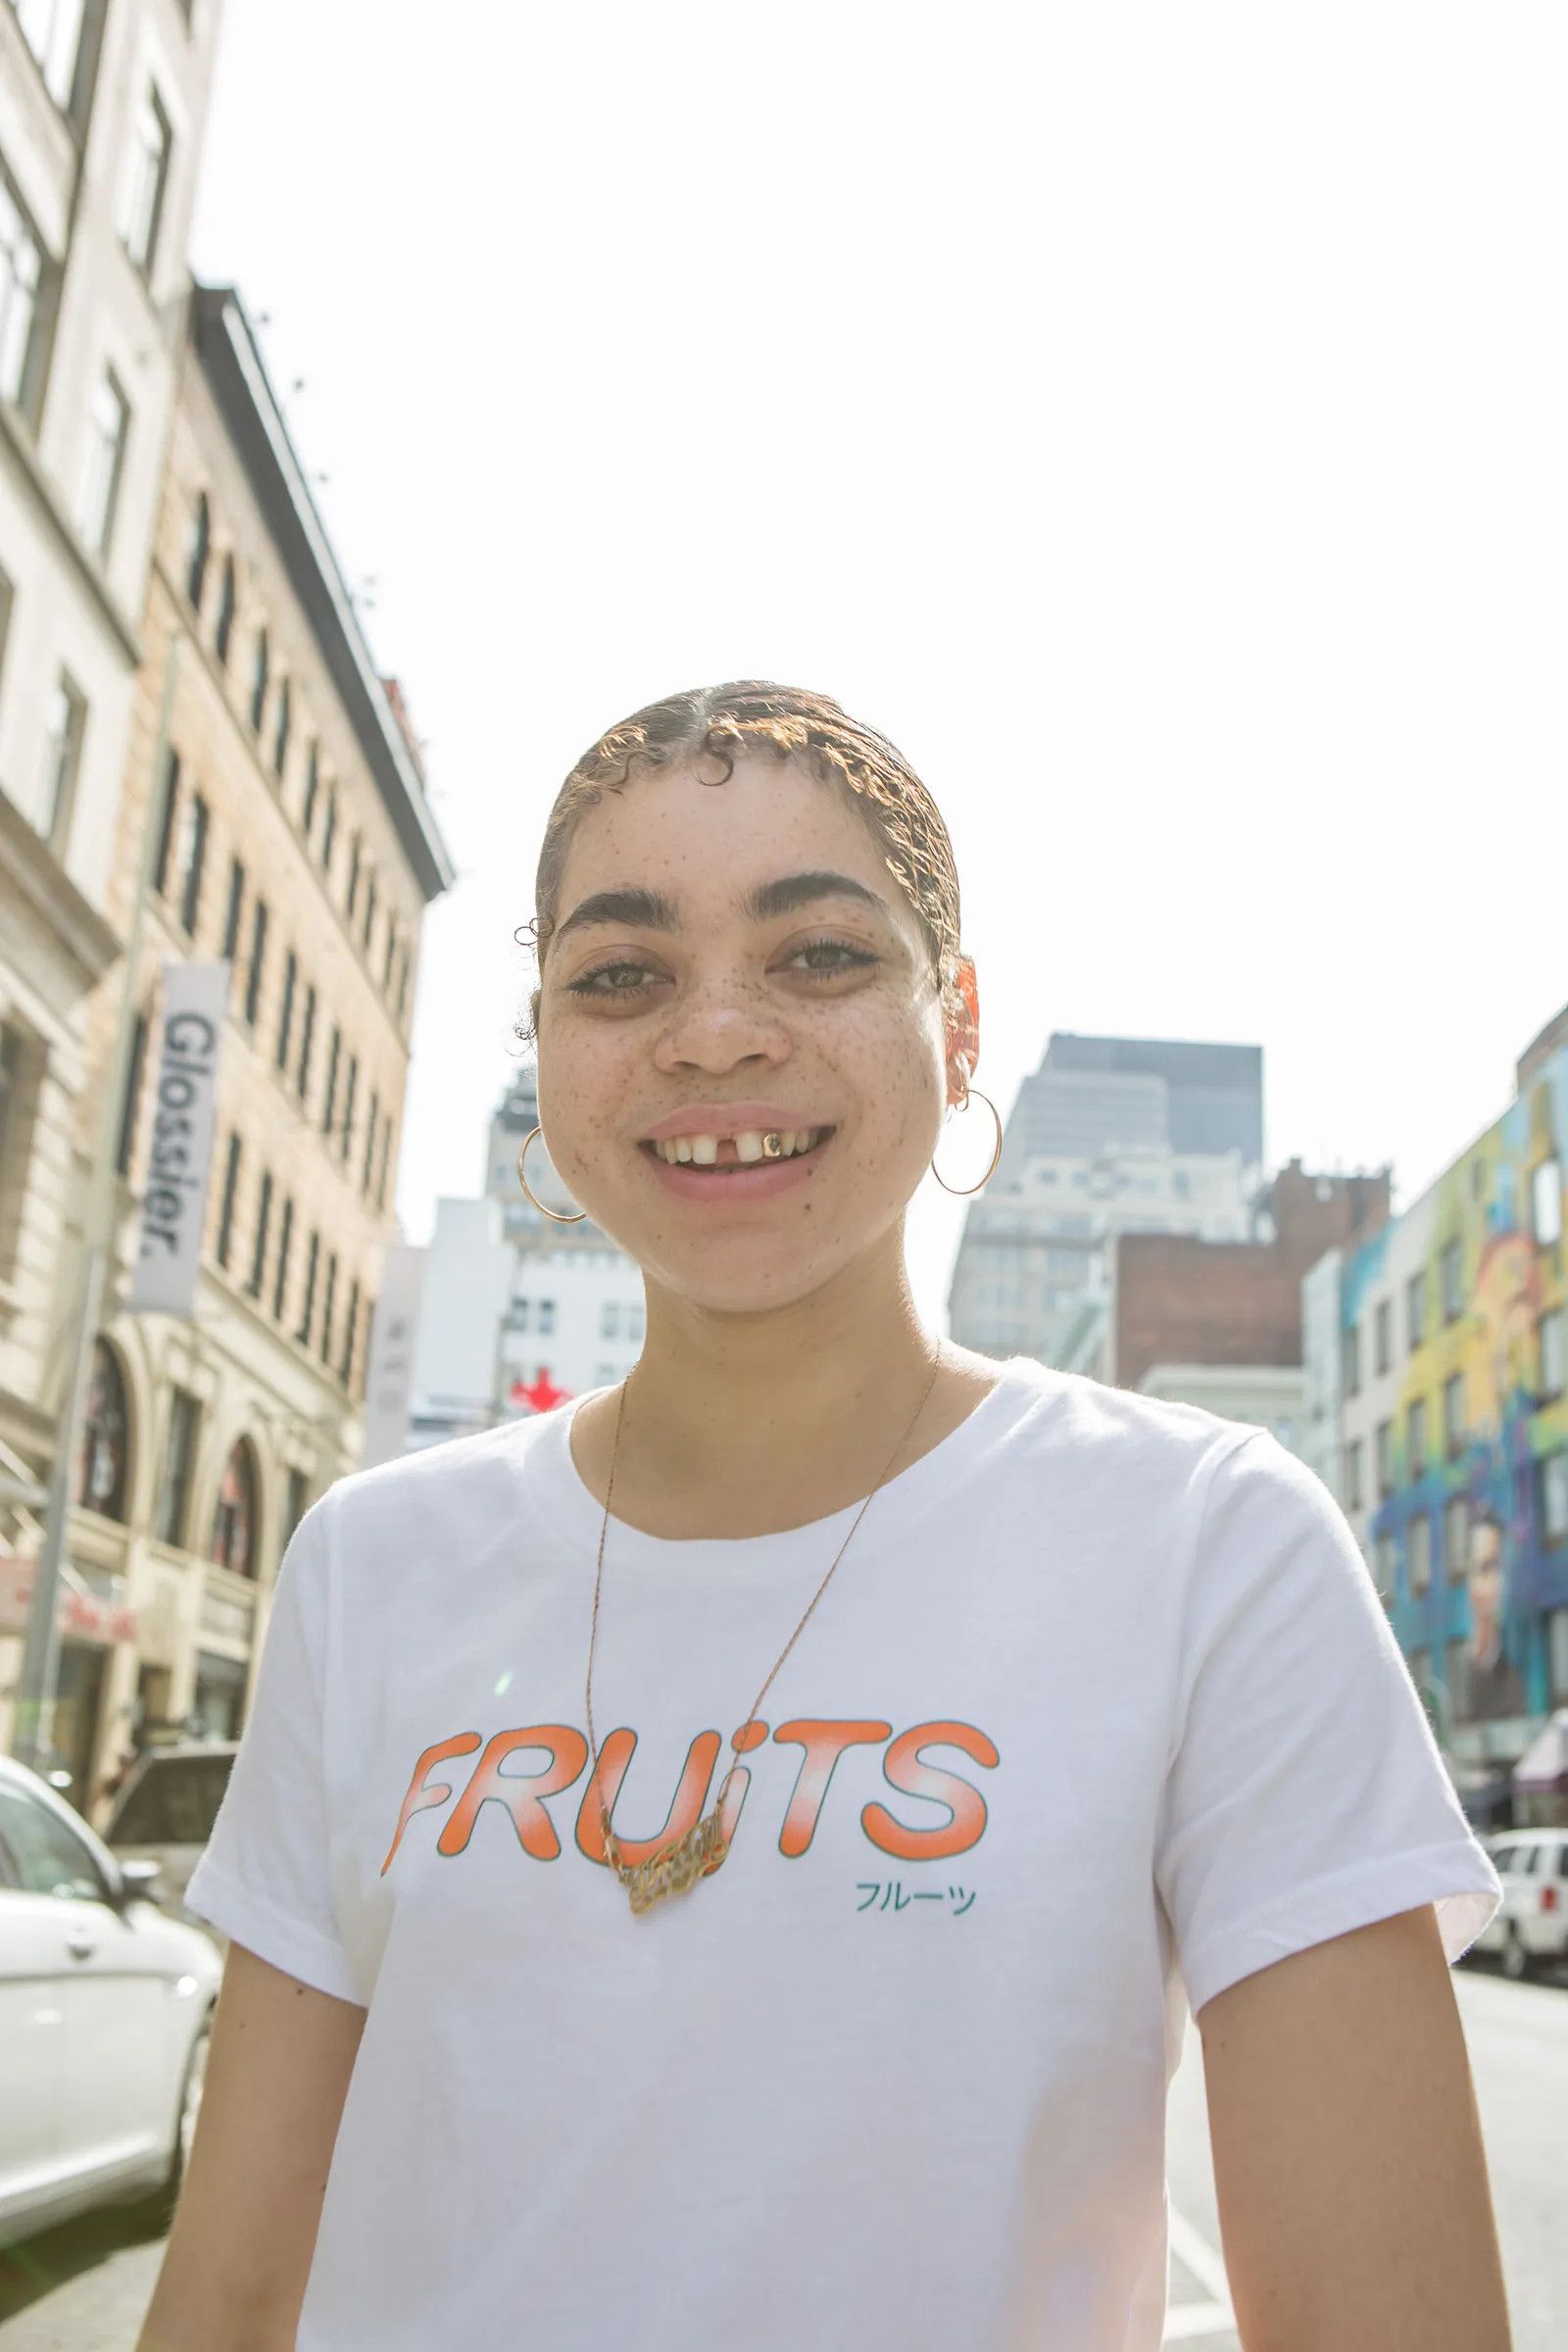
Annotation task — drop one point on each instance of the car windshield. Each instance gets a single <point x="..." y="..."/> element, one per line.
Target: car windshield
<point x="174" y="1802"/>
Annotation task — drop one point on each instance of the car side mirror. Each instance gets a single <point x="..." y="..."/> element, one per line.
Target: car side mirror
<point x="142" y="1879"/>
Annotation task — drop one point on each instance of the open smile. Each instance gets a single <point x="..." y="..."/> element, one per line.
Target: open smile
<point x="751" y="1165"/>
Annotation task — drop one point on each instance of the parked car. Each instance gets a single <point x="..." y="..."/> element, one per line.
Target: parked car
<point x="1530" y="1924"/>
<point x="104" y="2012"/>
<point x="165" y="1808"/>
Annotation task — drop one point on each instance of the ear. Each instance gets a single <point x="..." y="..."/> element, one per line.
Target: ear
<point x="963" y="1034"/>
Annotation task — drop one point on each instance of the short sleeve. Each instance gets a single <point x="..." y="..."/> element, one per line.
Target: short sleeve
<point x="264" y="1878"/>
<point x="1304" y="1795"/>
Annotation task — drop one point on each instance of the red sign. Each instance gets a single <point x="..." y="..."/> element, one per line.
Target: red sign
<point x="542" y="1397"/>
<point x="83" y="1616"/>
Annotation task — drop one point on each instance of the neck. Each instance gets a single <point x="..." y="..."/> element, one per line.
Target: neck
<point x="714" y="1388"/>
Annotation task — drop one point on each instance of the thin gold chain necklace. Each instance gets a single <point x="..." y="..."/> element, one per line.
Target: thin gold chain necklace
<point x="699" y="1853"/>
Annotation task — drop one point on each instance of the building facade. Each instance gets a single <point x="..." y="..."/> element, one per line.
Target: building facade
<point x="1437" y="1363"/>
<point x="101" y="118"/>
<point x="1108" y="1136"/>
<point x="275" y="797"/>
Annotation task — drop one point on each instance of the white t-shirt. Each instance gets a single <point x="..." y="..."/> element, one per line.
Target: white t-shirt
<point x="1101" y="1700"/>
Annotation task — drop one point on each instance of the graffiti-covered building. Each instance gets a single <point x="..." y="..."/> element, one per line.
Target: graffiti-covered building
<point x="1435" y="1363"/>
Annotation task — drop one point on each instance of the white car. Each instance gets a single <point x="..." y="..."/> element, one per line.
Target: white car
<point x="104" y="2012"/>
<point x="1531" y="1925"/>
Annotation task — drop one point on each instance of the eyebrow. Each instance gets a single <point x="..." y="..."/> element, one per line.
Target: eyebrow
<point x="651" y="911"/>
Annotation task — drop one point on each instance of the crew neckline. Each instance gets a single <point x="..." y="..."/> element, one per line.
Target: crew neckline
<point x="1021" y="1383"/>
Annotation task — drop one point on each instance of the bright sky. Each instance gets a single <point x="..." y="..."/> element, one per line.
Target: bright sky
<point x="1152" y="419"/>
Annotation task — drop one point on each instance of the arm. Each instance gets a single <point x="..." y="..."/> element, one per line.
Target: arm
<point x="233" y="2274"/>
<point x="1354" y="2200"/>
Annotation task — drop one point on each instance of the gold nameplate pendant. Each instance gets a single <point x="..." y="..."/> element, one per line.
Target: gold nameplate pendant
<point x="676" y="1869"/>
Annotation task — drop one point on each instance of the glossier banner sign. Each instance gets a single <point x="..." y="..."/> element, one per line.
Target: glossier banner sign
<point x="188" y="1038"/>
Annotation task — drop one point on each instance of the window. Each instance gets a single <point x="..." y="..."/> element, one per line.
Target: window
<point x="64" y="729"/>
<point x="1383" y="1566"/>
<point x="634" y="1321"/>
<point x="348" y="1093"/>
<point x="259" y="678"/>
<point x="201" y="550"/>
<point x="386" y="1154"/>
<point x="351" y="1331"/>
<point x="1382" y="1456"/>
<point x="308" y="1308"/>
<point x="547" y="1316"/>
<point x="1353" y="1359"/>
<point x="1456" y="1538"/>
<point x="391" y="949"/>
<point x="285" y="720"/>
<point x="166" y="827"/>
<point x="236" y="902"/>
<point x="610" y="1320"/>
<point x="107" y="426"/>
<point x="1352" y="1474"/>
<point x="132" y="1096"/>
<point x="369" y="912"/>
<point x="1551" y="1495"/>
<point x="329" y="832"/>
<point x="22" y="282"/>
<point x="173" y="1493"/>
<point x="1546" y="1202"/>
<point x="371" y="1126"/>
<point x="253" y="978"/>
<point x="520" y="1314"/>
<point x="1416" y="1439"/>
<point x="263" y="1219"/>
<point x="1415" y="1305"/>
<point x="1553" y="1361"/>
<point x="296" y="1497"/>
<point x="233" y="1540"/>
<point x="334" y="1054"/>
<point x="285" y="1012"/>
<point x="313" y="786"/>
<point x="285" y="1237"/>
<point x="1453" y="1414"/>
<point x="146" y="181"/>
<point x="327" y="1299"/>
<point x="307" y="1040"/>
<point x="1449" y="1275"/>
<point x="1419" y="1540"/>
<point x="1383" y="1330"/>
<point x="226" y="1214"/>
<point x="48" y="1856"/>
<point x="191" y="860"/>
<point x="403" y="981"/>
<point x="224" y="633"/>
<point x="1557" y="1655"/>
<point x="100" y="1481"/>
<point x="354" y="874"/>
<point x="52" y="31"/>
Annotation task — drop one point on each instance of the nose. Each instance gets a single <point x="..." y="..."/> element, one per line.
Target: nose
<point x="721" y="1023"/>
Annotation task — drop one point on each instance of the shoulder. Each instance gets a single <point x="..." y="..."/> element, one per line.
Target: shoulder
<point x="458" y="1476"/>
<point x="1149" y="1439"/>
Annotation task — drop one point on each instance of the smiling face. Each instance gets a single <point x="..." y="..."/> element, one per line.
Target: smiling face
<point x="743" y="1060"/>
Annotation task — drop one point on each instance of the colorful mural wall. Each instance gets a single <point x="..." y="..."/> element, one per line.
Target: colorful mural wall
<point x="1464" y="1420"/>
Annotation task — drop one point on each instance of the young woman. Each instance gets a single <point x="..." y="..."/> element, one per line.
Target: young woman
<point x="957" y="1725"/>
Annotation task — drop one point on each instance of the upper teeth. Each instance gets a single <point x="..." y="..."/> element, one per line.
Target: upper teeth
<point x="703" y="1149"/>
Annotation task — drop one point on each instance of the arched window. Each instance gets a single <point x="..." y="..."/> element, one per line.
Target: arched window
<point x="264" y="663"/>
<point x="234" y="1543"/>
<point x="201" y="548"/>
<point x="101" y="1458"/>
<point x="226" y="613"/>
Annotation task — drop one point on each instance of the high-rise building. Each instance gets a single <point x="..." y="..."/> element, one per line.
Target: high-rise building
<point x="274" y="800"/>
<point x="102" y="111"/>
<point x="1109" y="1135"/>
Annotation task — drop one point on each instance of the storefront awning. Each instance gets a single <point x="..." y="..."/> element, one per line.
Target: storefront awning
<point x="84" y="1615"/>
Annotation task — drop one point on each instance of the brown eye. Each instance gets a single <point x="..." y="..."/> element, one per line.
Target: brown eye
<point x="609" y="980"/>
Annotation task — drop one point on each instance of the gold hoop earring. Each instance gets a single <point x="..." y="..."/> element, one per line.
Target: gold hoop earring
<point x="962" y="1191"/>
<point x="558" y="1216"/>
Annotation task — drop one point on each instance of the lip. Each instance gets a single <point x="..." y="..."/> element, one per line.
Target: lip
<point x="757" y="1181"/>
<point x="727" y="1118"/>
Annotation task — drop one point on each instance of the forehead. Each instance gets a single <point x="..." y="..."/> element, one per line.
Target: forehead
<point x="705" y="844"/>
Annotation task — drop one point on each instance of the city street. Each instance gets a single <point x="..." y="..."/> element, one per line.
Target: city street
<point x="84" y="2289"/>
